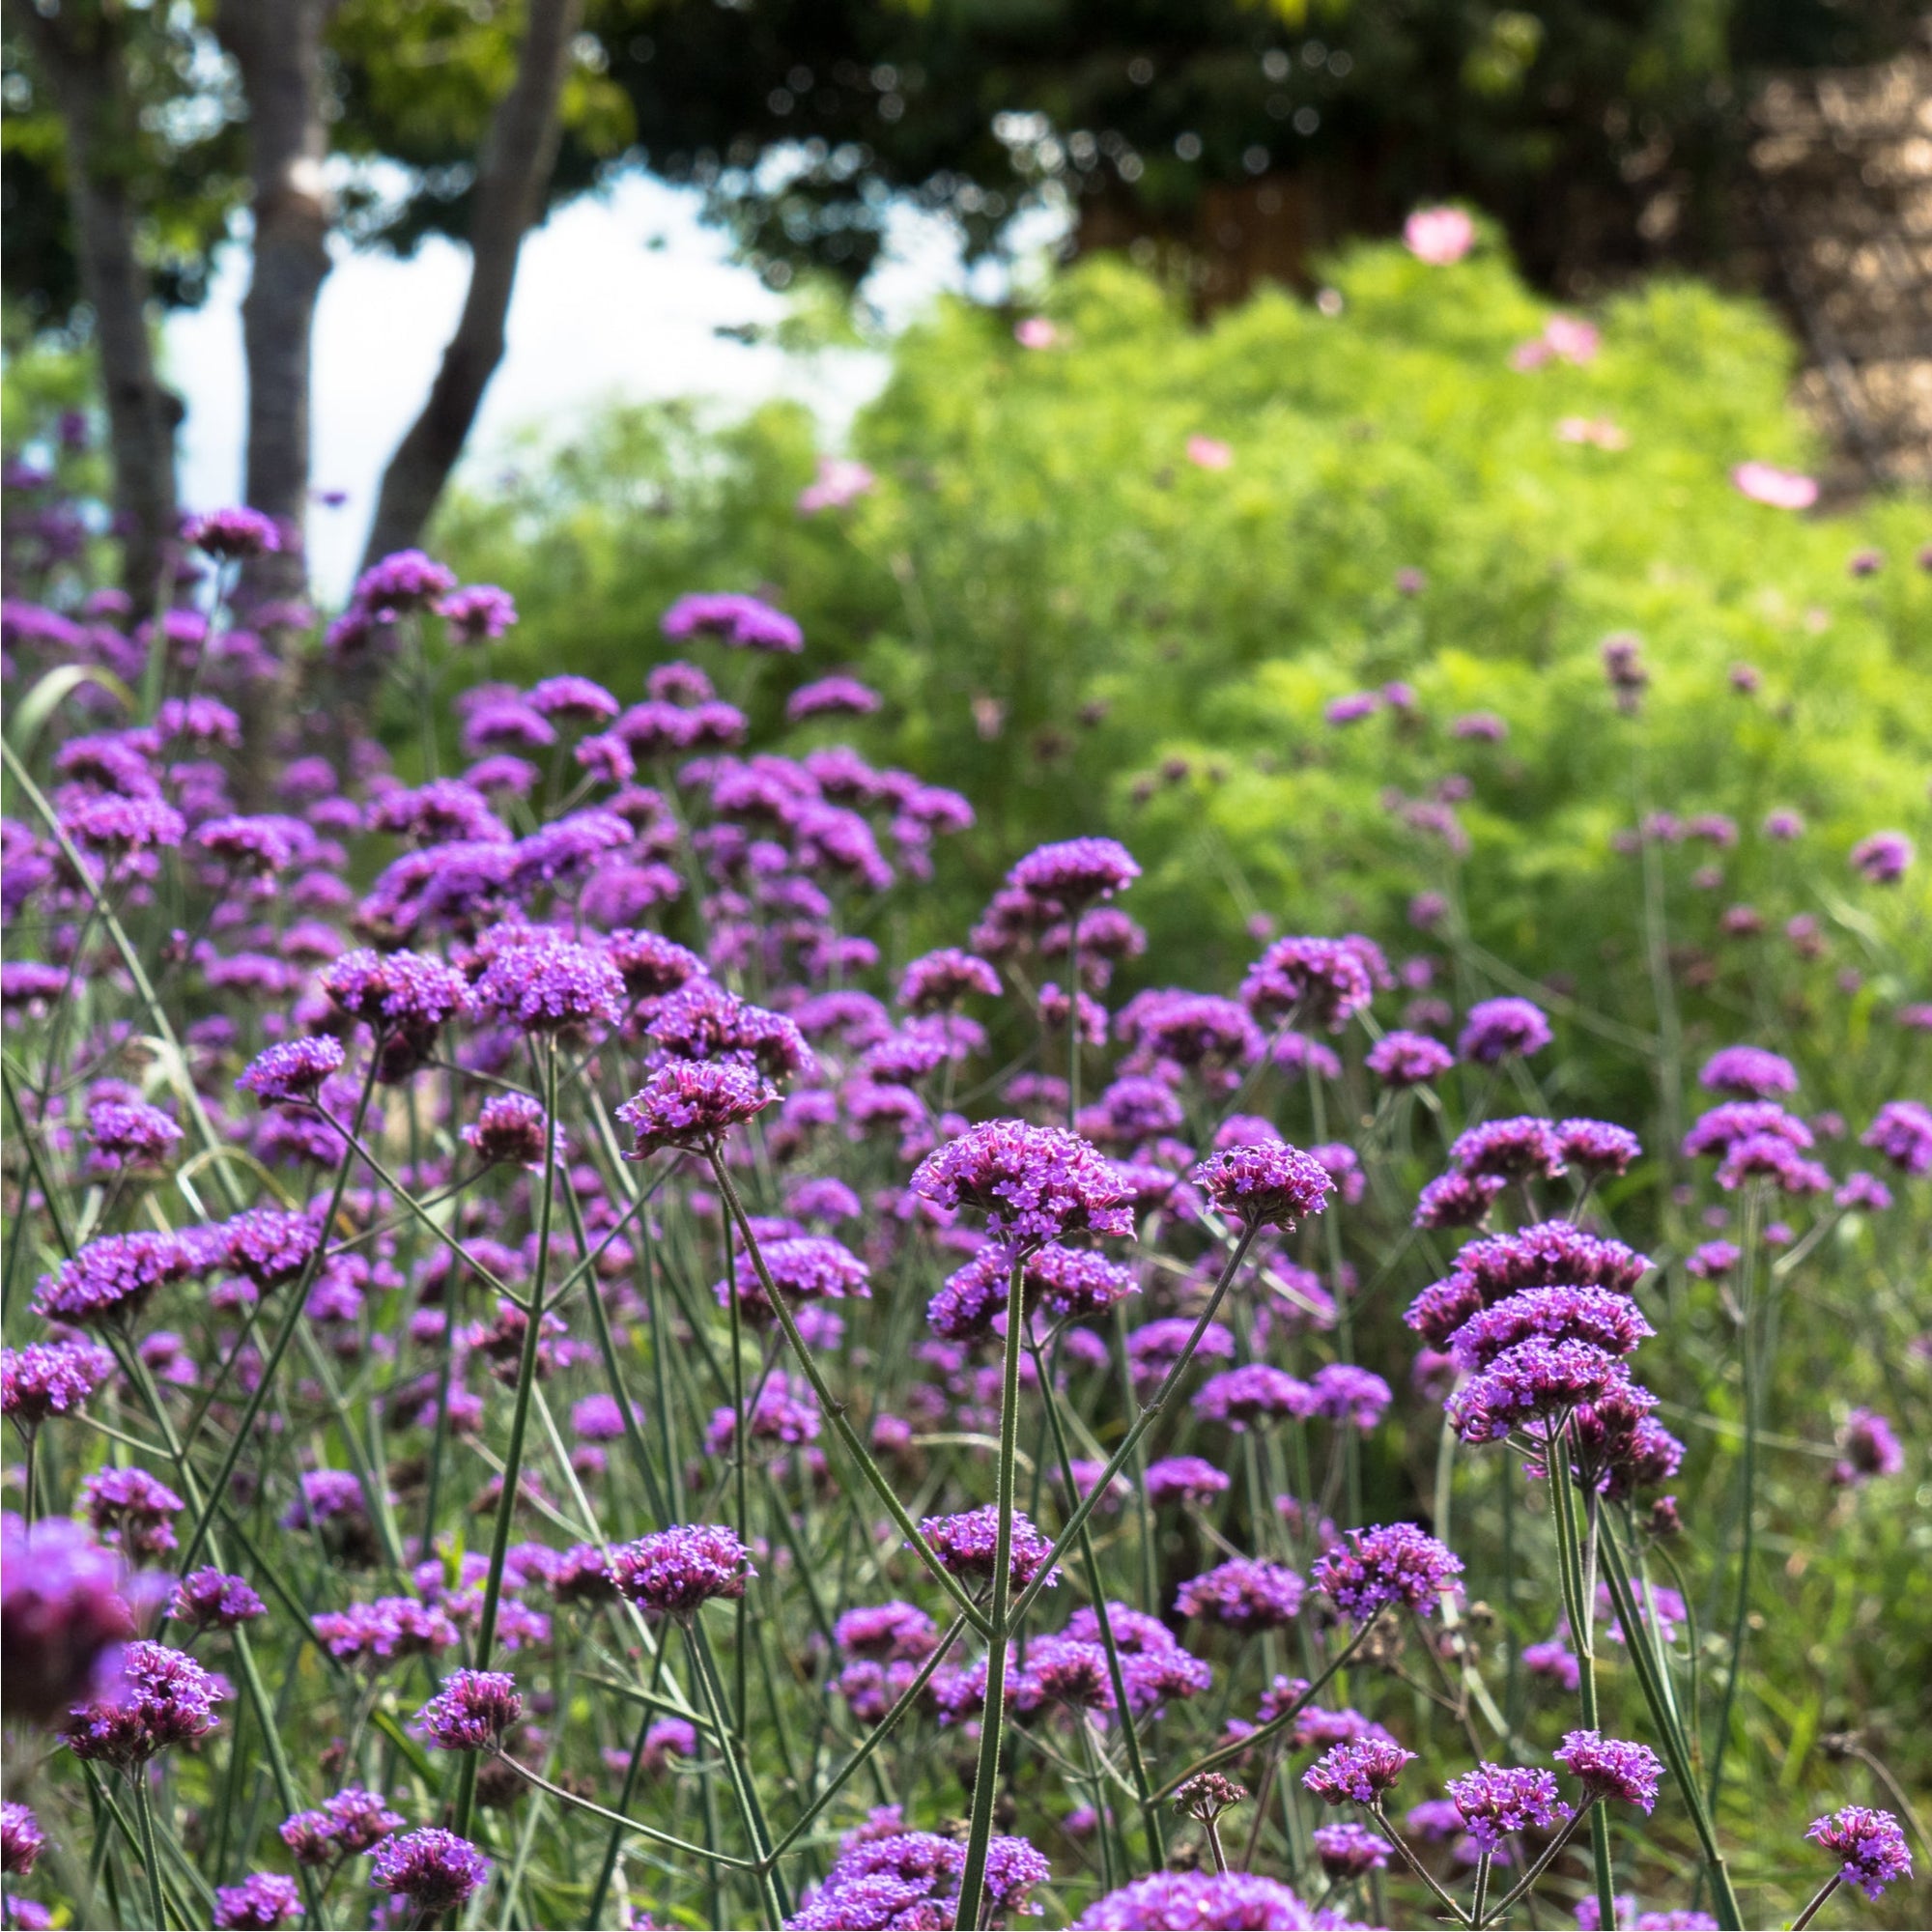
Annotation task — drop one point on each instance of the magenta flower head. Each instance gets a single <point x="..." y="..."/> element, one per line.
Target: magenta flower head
<point x="111" y="1279"/>
<point x="689" y="1104"/>
<point x="352" y="1821"/>
<point x="511" y="1128"/>
<point x="1033" y="1184"/>
<point x="1075" y="872"/>
<point x="968" y="1544"/>
<point x="547" y="983"/>
<point x="1348" y="1850"/>
<point x="21" y="1839"/>
<point x="1389" y="1563"/>
<point x="164" y="1697"/>
<point x="1458" y="1200"/>
<point x="1870" y="1845"/>
<point x="1496" y="1029"/>
<point x="1869" y="1448"/>
<point x="1535" y="1380"/>
<point x="63" y="1619"/>
<point x="1187" y="1901"/>
<point x="207" y="1599"/>
<point x="739" y="621"/>
<point x="48" y="1379"/>
<point x="1315" y="981"/>
<point x="1358" y="1771"/>
<point x="1523" y="1148"/>
<point x="1749" y="1073"/>
<point x="1598" y="1146"/>
<point x="1494" y="1801"/>
<point x="1408" y="1059"/>
<point x="1902" y="1133"/>
<point x="433" y="1869"/>
<point x="1599" y="1315"/>
<point x="1246" y="1595"/>
<point x="1883" y="858"/>
<point x="292" y="1069"/>
<point x="471" y="1710"/>
<point x="261" y="1902"/>
<point x="1611" y="1768"/>
<point x="477" y="611"/>
<point x="675" y="1572"/>
<point x="406" y="580"/>
<point x="233" y="533"/>
<point x="1268" y="1184"/>
<point x="270" y="1245"/>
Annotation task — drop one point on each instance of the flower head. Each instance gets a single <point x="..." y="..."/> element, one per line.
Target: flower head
<point x="690" y="1103"/>
<point x="1496" y="1029"/>
<point x="1357" y="1771"/>
<point x="1438" y="235"/>
<point x="1389" y="1563"/>
<point x="111" y="1277"/>
<point x="1268" y="1184"/>
<point x="732" y="618"/>
<point x="207" y="1599"/>
<point x="471" y="1710"/>
<point x="1609" y="1768"/>
<point x="164" y="1697"/>
<point x="1870" y="1845"/>
<point x="676" y="1571"/>
<point x="292" y="1069"/>
<point x="433" y="1869"/>
<point x="349" y="1824"/>
<point x="1494" y="1801"/>
<point x="1245" y="1595"/>
<point x="261" y="1902"/>
<point x="968" y="1544"/>
<point x="1033" y="1184"/>
<point x="47" y="1378"/>
<point x="21" y="1839"/>
<point x="1189" y="1901"/>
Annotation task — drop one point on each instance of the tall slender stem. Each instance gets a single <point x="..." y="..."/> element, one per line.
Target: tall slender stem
<point x="1818" y="1899"/>
<point x="150" y="1863"/>
<point x="992" y="1719"/>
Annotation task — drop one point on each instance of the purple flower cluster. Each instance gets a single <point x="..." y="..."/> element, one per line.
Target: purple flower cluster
<point x="1493" y="1801"/>
<point x="1390" y="1563"/>
<point x="1271" y="1184"/>
<point x="163" y="1697"/>
<point x="1869" y="1846"/>
<point x="1246" y="1595"/>
<point x="675" y="1572"/>
<point x="1358" y="1771"/>
<point x="1191" y="1901"/>
<point x="1033" y="1184"/>
<point x="968" y="1545"/>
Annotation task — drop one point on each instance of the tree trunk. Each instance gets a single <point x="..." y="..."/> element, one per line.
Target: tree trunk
<point x="80" y="56"/>
<point x="514" y="177"/>
<point x="277" y="45"/>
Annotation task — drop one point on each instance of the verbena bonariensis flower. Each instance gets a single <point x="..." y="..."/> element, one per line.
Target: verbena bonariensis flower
<point x="1270" y="1184"/>
<point x="1533" y="1381"/>
<point x="1720" y="1130"/>
<point x="802" y="1267"/>
<point x="967" y="1545"/>
<point x="402" y="992"/>
<point x="1458" y="1200"/>
<point x="471" y="1710"/>
<point x="675" y="1572"/>
<point x="1599" y="1315"/>
<point x="1869" y="1846"/>
<point x="1883" y="858"/>
<point x="691" y="1103"/>
<point x="163" y="1697"/>
<point x="63" y="1618"/>
<point x="937" y="980"/>
<point x="433" y="1869"/>
<point x="112" y="1277"/>
<point x="209" y="1599"/>
<point x="1408" y="1059"/>
<point x="48" y="1379"/>
<point x="1389" y="1563"/>
<point x="544" y="983"/>
<point x="1610" y="1768"/>
<point x="234" y="532"/>
<point x="378" y="1634"/>
<point x="1245" y="1595"/>
<point x="292" y="1069"/>
<point x="1494" y="1801"/>
<point x="1075" y="872"/>
<point x="1033" y="1184"/>
<point x="1496" y="1029"/>
<point x="1348" y="1850"/>
<point x="476" y="612"/>
<point x="827" y="697"/>
<point x="912" y="1879"/>
<point x="1317" y="982"/>
<point x="1749" y="1073"/>
<point x="1771" y="1158"/>
<point x="732" y="618"/>
<point x="129" y="1134"/>
<point x="1188" y="1901"/>
<point x="351" y="1822"/>
<point x="406" y="580"/>
<point x="701" y="1021"/>
<point x="651" y="965"/>
<point x="1868" y="1448"/>
<point x="511" y="1128"/>
<point x="1255" y="1393"/>
<point x="1191" y="1480"/>
<point x="1357" y="1771"/>
<point x="1598" y="1146"/>
<point x="261" y="1902"/>
<point x="21" y="1839"/>
<point x="131" y="1510"/>
<point x="1345" y="1393"/>
<point x="1902" y="1133"/>
<point x="895" y="1630"/>
<point x="1520" y="1149"/>
<point x="270" y="1245"/>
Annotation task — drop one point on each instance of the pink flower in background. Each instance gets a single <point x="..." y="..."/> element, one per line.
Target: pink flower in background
<point x="1599" y="431"/>
<point x="1035" y="331"/>
<point x="1564" y="337"/>
<point x="1438" y="235"/>
<point x="1208" y="452"/>
<point x="840" y="481"/>
<point x="1781" y="488"/>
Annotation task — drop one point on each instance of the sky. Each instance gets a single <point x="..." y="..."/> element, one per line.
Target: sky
<point x="618" y="295"/>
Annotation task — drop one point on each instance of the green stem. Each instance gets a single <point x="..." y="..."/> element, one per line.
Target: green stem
<point x="744" y="1791"/>
<point x="1818" y="1899"/>
<point x="151" y="1864"/>
<point x="993" y="1717"/>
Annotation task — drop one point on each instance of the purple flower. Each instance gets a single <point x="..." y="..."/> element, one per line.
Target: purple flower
<point x="1771" y="1158"/>
<point x="1190" y="1480"/>
<point x="675" y="1572"/>
<point x="433" y="1869"/>
<point x="292" y="1069"/>
<point x="62" y="1618"/>
<point x="512" y="1128"/>
<point x="1519" y="1148"/>
<point x="131" y="1510"/>
<point x="164" y="1697"/>
<point x="894" y="1630"/>
<point x="1357" y="1771"/>
<point x="1902" y="1133"/>
<point x="1554" y="1661"/>
<point x="476" y="612"/>
<point x="1495" y="1029"/>
<point x="111" y="1278"/>
<point x="543" y="982"/>
<point x="129" y="1133"/>
<point x="702" y="1021"/>
<point x="1598" y="1146"/>
<point x="967" y="1545"/>
<point x="270" y="1245"/>
<point x="397" y="991"/>
<point x="1868" y="1448"/>
<point x="349" y="1824"/>
<point x="1189" y="1901"/>
<point x="1723" y="1128"/>
<point x="471" y="1710"/>
<point x="1344" y="1393"/>
<point x="261" y="1903"/>
<point x="209" y="1599"/>
<point x="1271" y="1184"/>
<point x="1870" y="1845"/>
<point x="1533" y="1381"/>
<point x="912" y="1879"/>
<point x="938" y="981"/>
<point x="1315" y="981"/>
<point x="1749" y="1073"/>
<point x="1408" y="1059"/>
<point x="690" y="1103"/>
<point x="1246" y="1595"/>
<point x="1256" y="1392"/>
<point x="1712" y="1258"/>
<point x="1033" y="1184"/>
<point x="842" y="696"/>
<point x="1599" y="1315"/>
<point x="374" y="1635"/>
<point x="1389" y="1563"/>
<point x="406" y="580"/>
<point x="21" y="1839"/>
<point x="47" y="1378"/>
<point x="1458" y="1200"/>
<point x="1348" y="1851"/>
<point x="577" y="700"/>
<point x="1611" y="1768"/>
<point x="742" y="622"/>
<point x="1493" y="1801"/>
<point x="236" y="533"/>
<point x="1075" y="872"/>
<point x="1883" y="858"/>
